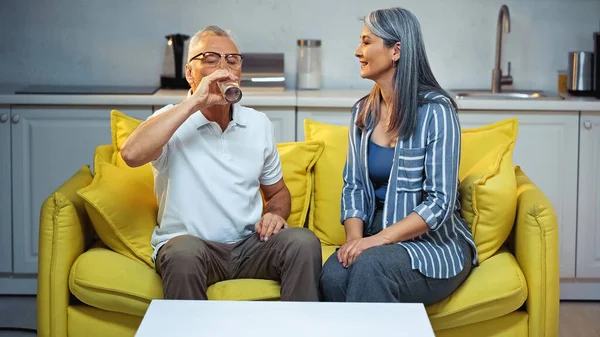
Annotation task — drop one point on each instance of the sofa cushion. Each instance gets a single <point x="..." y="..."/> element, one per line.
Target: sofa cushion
<point x="107" y="280"/>
<point x="324" y="215"/>
<point x="110" y="281"/>
<point x="121" y="127"/>
<point x="297" y="162"/>
<point x="493" y="289"/>
<point x="122" y="209"/>
<point x="488" y="187"/>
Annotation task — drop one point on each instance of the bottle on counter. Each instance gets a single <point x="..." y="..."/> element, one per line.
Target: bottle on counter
<point x="309" y="65"/>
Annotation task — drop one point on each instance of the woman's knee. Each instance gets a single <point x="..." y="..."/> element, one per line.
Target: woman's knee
<point x="333" y="273"/>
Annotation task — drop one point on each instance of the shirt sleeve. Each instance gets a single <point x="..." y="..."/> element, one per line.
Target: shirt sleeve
<point x="353" y="193"/>
<point x="442" y="158"/>
<point x="272" y="171"/>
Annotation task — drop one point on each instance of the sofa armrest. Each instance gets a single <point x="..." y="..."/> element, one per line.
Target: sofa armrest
<point x="64" y="234"/>
<point x="536" y="250"/>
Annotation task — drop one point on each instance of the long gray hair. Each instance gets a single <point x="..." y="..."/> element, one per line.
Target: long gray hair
<point x="413" y="78"/>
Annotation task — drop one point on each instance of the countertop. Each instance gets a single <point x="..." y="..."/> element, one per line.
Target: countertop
<point x="160" y="98"/>
<point x="291" y="98"/>
<point x="347" y="98"/>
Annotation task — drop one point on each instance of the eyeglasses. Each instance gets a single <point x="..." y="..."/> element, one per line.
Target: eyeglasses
<point x="212" y="59"/>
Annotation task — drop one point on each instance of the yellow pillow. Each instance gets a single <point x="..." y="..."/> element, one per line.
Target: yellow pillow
<point x="325" y="208"/>
<point x="121" y="127"/>
<point x="123" y="210"/>
<point x="488" y="187"/>
<point x="102" y="154"/>
<point x="297" y="161"/>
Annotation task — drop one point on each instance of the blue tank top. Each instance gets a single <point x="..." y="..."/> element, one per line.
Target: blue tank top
<point x="380" y="159"/>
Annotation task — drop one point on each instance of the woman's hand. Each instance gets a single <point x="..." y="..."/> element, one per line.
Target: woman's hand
<point x="350" y="251"/>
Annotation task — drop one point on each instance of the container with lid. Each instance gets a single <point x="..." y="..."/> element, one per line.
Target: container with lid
<point x="309" y="65"/>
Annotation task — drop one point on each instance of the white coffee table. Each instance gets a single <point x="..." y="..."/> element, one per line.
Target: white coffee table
<point x="283" y="319"/>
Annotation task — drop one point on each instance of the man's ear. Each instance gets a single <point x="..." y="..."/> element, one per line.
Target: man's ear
<point x="188" y="74"/>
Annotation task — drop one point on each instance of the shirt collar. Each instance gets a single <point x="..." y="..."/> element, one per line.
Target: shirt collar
<point x="200" y="120"/>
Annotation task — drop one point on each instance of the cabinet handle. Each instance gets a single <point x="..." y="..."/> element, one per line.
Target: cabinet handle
<point x="15" y="119"/>
<point x="587" y="125"/>
<point x="3" y="118"/>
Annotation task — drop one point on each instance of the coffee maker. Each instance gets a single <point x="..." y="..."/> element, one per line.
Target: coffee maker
<point x="173" y="76"/>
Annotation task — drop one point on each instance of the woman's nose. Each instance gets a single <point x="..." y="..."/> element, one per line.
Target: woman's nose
<point x="358" y="52"/>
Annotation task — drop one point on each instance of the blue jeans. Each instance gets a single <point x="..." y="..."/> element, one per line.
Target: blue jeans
<point x="384" y="274"/>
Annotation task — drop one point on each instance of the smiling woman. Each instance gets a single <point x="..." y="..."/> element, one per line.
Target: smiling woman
<point x="406" y="240"/>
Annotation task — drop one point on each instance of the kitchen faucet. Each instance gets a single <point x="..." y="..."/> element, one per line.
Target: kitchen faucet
<point x="497" y="78"/>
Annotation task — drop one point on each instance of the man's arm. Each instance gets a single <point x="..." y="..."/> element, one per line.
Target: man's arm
<point x="277" y="210"/>
<point x="278" y="198"/>
<point x="147" y="140"/>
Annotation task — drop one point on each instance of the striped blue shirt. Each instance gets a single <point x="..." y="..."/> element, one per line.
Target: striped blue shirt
<point x="424" y="180"/>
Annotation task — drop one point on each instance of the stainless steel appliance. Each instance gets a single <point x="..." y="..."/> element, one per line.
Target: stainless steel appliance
<point x="263" y="72"/>
<point x="580" y="79"/>
<point x="172" y="76"/>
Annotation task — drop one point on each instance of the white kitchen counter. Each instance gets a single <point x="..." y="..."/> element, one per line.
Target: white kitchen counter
<point x="159" y="98"/>
<point x="290" y="98"/>
<point x="347" y="98"/>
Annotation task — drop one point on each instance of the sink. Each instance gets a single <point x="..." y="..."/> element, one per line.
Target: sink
<point x="505" y="94"/>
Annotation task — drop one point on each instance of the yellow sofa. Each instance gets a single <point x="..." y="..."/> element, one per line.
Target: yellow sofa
<point x="88" y="289"/>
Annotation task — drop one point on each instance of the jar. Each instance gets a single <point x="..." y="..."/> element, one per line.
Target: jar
<point x="309" y="65"/>
<point x="562" y="82"/>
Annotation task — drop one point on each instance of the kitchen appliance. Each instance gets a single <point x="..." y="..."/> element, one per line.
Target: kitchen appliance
<point x="263" y="72"/>
<point x="597" y="63"/>
<point x="172" y="76"/>
<point x="580" y="80"/>
<point x="309" y="64"/>
<point x="87" y="90"/>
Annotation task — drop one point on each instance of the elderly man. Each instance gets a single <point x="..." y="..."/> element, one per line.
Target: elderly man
<point x="210" y="160"/>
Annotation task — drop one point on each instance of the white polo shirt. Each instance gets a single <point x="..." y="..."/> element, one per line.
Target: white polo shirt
<point x="207" y="181"/>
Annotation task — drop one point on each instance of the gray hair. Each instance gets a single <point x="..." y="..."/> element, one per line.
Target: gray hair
<point x="413" y="78"/>
<point x="210" y="30"/>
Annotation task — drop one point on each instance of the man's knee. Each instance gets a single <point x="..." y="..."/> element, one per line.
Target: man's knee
<point x="184" y="251"/>
<point x="300" y="238"/>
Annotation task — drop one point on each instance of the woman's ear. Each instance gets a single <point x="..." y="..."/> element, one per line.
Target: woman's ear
<point x="396" y="52"/>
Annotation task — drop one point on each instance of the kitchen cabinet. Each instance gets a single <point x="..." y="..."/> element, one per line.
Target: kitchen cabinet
<point x="588" y="231"/>
<point x="48" y="145"/>
<point x="5" y="197"/>
<point x="284" y="122"/>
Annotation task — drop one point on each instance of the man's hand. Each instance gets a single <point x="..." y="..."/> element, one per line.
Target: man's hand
<point x="269" y="224"/>
<point x="207" y="93"/>
<point x="350" y="251"/>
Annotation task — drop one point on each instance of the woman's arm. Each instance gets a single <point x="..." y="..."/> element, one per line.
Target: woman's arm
<point x="440" y="185"/>
<point x="353" y="199"/>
